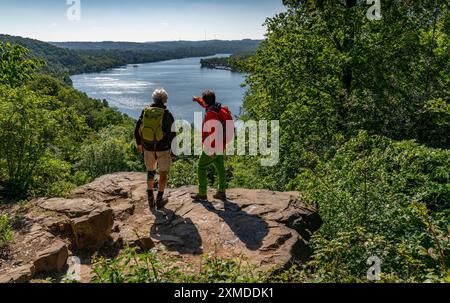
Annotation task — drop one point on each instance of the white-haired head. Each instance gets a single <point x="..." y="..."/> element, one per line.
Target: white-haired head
<point x="160" y="96"/>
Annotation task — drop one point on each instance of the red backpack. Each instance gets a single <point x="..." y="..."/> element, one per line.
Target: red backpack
<point x="226" y="118"/>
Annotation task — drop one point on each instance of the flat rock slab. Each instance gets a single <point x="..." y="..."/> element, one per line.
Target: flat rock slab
<point x="267" y="229"/>
<point x="73" y="208"/>
<point x="261" y="226"/>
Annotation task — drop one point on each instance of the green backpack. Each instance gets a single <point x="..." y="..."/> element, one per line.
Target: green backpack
<point x="152" y="125"/>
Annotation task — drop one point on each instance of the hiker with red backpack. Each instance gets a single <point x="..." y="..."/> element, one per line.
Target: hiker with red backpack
<point x="154" y="138"/>
<point x="217" y="132"/>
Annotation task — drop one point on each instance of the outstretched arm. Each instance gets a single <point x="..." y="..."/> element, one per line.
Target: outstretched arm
<point x="200" y="102"/>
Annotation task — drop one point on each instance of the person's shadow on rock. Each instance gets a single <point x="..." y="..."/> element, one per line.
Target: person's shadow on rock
<point x="176" y="233"/>
<point x="250" y="229"/>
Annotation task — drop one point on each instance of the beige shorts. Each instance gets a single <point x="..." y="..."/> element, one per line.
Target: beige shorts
<point x="153" y="160"/>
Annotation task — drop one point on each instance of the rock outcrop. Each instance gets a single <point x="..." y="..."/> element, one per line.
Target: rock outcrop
<point x="266" y="228"/>
<point x="88" y="223"/>
<point x="34" y="251"/>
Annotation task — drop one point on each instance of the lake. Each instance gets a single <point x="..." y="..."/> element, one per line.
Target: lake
<point x="129" y="88"/>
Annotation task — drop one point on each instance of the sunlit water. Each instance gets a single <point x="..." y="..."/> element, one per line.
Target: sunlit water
<point x="129" y="88"/>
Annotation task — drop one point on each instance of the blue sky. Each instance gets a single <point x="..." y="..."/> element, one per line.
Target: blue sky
<point x="137" y="20"/>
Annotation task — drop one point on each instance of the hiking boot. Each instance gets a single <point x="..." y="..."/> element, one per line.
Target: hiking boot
<point x="199" y="198"/>
<point x="161" y="202"/>
<point x="222" y="196"/>
<point x="151" y="199"/>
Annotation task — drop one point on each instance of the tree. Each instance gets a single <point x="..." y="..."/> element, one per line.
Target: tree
<point x="46" y="125"/>
<point x="28" y="128"/>
<point x="111" y="151"/>
<point x="14" y="68"/>
<point x="36" y="129"/>
<point x="327" y="72"/>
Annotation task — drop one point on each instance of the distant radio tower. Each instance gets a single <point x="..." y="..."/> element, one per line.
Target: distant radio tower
<point x="205" y="35"/>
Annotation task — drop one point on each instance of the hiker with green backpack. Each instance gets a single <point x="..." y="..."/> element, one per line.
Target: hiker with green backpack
<point x="154" y="138"/>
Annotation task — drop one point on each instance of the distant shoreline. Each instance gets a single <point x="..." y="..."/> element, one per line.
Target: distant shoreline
<point x="136" y="65"/>
<point x="228" y="63"/>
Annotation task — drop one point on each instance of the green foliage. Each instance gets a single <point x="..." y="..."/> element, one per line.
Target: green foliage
<point x="372" y="181"/>
<point x="246" y="172"/>
<point x="242" y="172"/>
<point x="378" y="185"/>
<point x="344" y="88"/>
<point x="111" y="151"/>
<point x="183" y="173"/>
<point x="342" y="258"/>
<point x="52" y="178"/>
<point x="44" y="122"/>
<point x="440" y="111"/>
<point x="327" y="72"/>
<point x="364" y="114"/>
<point x="133" y="267"/>
<point x="14" y="68"/>
<point x="217" y="270"/>
<point x="438" y="245"/>
<point x="97" y="114"/>
<point x="6" y="235"/>
<point x="31" y="127"/>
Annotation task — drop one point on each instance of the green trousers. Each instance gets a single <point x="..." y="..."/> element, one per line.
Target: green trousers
<point x="203" y="164"/>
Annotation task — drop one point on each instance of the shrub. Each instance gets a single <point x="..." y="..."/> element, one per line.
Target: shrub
<point x="149" y="267"/>
<point x="369" y="195"/>
<point x="218" y="270"/>
<point x="102" y="158"/>
<point x="132" y="267"/>
<point x="52" y="178"/>
<point x="30" y="130"/>
<point x="247" y="172"/>
<point x="183" y="173"/>
<point x="110" y="152"/>
<point x="5" y="231"/>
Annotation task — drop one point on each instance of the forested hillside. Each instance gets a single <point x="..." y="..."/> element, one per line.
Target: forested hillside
<point x="59" y="62"/>
<point x="69" y="58"/>
<point x="211" y="46"/>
